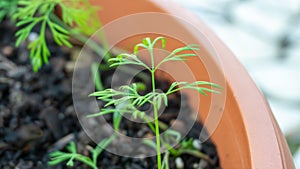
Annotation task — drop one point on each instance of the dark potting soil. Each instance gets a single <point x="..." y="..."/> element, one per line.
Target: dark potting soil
<point x="37" y="114"/>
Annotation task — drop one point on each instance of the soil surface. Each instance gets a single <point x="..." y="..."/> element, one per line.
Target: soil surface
<point x="37" y="115"/>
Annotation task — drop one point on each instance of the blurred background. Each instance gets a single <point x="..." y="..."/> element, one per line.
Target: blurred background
<point x="265" y="37"/>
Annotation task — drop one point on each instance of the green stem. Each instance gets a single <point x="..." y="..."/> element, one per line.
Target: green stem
<point x="104" y="42"/>
<point x="161" y="124"/>
<point x="102" y="52"/>
<point x="157" y="134"/>
<point x="197" y="154"/>
<point x="131" y="71"/>
<point x="166" y="160"/>
<point x="152" y="59"/>
<point x="153" y="81"/>
<point x="102" y="148"/>
<point x="97" y="76"/>
<point x="82" y="159"/>
<point x="152" y="69"/>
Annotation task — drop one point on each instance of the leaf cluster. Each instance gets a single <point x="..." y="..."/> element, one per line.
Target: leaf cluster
<point x="126" y="99"/>
<point x="72" y="154"/>
<point x="179" y="54"/>
<point x="33" y="13"/>
<point x="129" y="94"/>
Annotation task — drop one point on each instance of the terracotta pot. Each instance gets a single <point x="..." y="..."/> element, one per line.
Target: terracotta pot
<point x="239" y="120"/>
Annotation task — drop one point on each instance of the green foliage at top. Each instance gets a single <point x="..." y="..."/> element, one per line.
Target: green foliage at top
<point x="31" y="13"/>
<point x="7" y="8"/>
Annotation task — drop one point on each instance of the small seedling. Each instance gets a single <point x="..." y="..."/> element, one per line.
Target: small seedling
<point x="127" y="99"/>
<point x="129" y="94"/>
<point x="59" y="156"/>
<point x="183" y="146"/>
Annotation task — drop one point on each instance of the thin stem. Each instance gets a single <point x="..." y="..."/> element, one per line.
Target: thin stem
<point x="157" y="134"/>
<point x="161" y="124"/>
<point x="102" y="52"/>
<point x="152" y="69"/>
<point x="174" y="90"/>
<point x="81" y="158"/>
<point x="197" y="154"/>
<point x="131" y="71"/>
<point x="97" y="76"/>
<point x="152" y="58"/>
<point x="153" y="81"/>
<point x="109" y="141"/>
<point x="166" y="160"/>
<point x="163" y="61"/>
<point x="104" y="41"/>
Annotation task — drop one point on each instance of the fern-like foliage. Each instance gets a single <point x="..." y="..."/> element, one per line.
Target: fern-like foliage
<point x="31" y="13"/>
<point x="72" y="154"/>
<point x="7" y="8"/>
<point x="127" y="97"/>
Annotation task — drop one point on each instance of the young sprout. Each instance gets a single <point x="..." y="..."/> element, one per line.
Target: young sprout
<point x="126" y="99"/>
<point x="183" y="146"/>
<point x="59" y="156"/>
